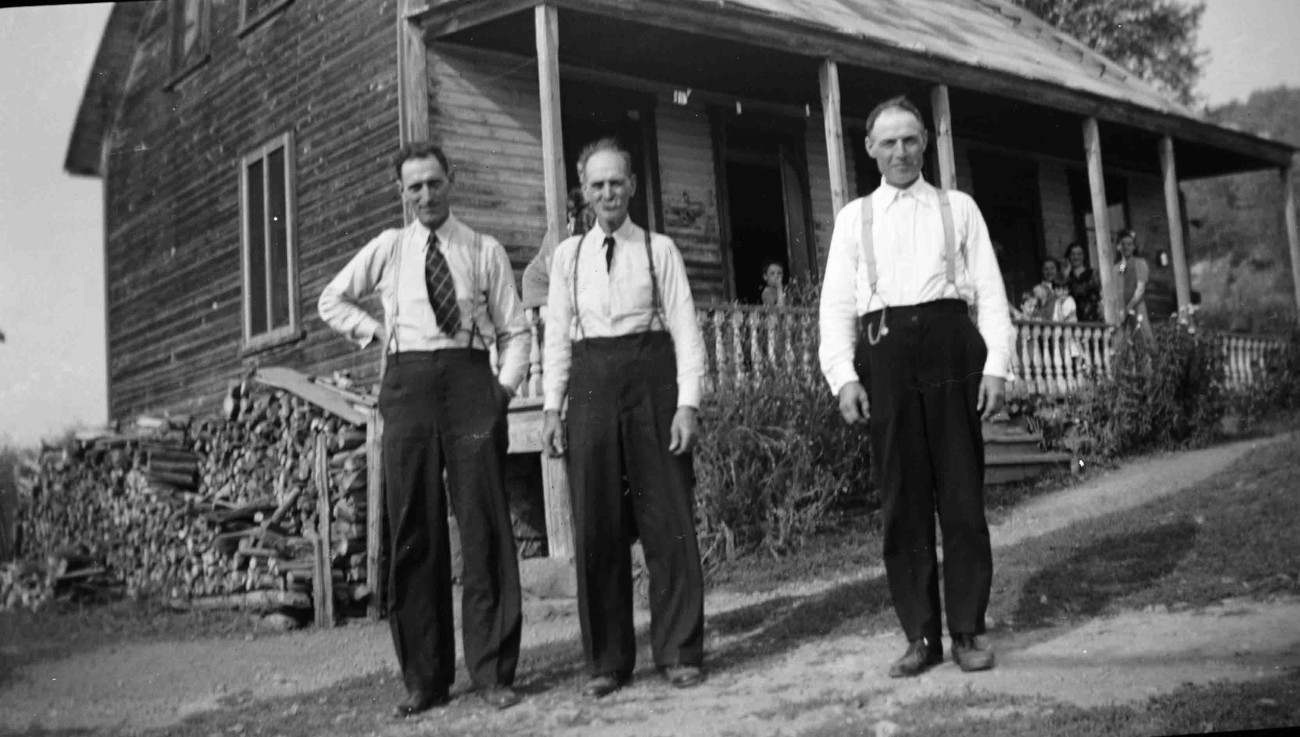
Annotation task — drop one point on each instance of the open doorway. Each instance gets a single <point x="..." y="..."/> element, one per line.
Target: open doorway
<point x="1006" y="188"/>
<point x="764" y="183"/>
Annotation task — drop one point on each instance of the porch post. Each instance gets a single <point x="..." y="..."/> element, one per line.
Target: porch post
<point x="1173" y="214"/>
<point x="1110" y="291"/>
<point x="412" y="79"/>
<point x="546" y="23"/>
<point x="943" y="136"/>
<point x="555" y="478"/>
<point x="830" y="85"/>
<point x="1292" y="236"/>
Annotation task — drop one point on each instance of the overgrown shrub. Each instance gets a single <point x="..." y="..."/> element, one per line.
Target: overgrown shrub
<point x="1161" y="394"/>
<point x="774" y="464"/>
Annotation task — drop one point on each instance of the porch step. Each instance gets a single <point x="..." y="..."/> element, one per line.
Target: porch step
<point x="1012" y="453"/>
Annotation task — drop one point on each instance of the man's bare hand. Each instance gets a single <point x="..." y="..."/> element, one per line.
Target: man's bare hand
<point x="552" y="433"/>
<point x="685" y="431"/>
<point x="854" y="406"/>
<point x="993" y="390"/>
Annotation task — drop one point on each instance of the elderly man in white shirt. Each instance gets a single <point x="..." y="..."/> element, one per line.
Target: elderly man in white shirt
<point x="624" y="348"/>
<point x="898" y="346"/>
<point x="448" y="292"/>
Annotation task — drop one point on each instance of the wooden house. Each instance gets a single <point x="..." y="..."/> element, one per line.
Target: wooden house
<point x="244" y="148"/>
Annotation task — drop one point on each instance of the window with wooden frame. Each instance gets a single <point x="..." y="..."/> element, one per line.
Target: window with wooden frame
<point x="253" y="13"/>
<point x="190" y="23"/>
<point x="270" y="254"/>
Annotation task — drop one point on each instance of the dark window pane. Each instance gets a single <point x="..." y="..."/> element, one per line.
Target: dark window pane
<point x="256" y="251"/>
<point x="278" y="248"/>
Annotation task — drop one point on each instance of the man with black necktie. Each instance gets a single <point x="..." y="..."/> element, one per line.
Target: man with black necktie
<point x="448" y="293"/>
<point x="624" y="348"/>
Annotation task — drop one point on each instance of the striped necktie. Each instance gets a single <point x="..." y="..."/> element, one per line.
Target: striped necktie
<point x="442" y="290"/>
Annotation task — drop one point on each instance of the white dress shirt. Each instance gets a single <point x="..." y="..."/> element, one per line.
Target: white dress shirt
<point x="907" y="235"/>
<point x="393" y="264"/>
<point x="617" y="302"/>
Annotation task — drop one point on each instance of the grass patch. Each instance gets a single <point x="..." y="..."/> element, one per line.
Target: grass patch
<point x="1232" y="535"/>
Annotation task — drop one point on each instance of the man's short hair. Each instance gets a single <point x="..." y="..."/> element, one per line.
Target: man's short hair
<point x="1127" y="233"/>
<point x="604" y="144"/>
<point x="420" y="150"/>
<point x="900" y="103"/>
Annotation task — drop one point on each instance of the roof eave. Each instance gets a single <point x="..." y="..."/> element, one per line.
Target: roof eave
<point x="774" y="30"/>
<point x="103" y="90"/>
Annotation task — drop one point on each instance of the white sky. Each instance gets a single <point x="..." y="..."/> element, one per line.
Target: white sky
<point x="52" y="363"/>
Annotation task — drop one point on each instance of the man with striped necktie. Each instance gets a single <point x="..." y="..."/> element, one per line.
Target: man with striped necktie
<point x="448" y="293"/>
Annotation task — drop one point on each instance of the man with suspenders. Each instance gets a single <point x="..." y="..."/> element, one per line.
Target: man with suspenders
<point x="624" y="348"/>
<point x="447" y="292"/>
<point x="899" y="347"/>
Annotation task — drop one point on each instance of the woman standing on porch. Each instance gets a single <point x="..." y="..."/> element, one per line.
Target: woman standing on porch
<point x="1134" y="273"/>
<point x="1082" y="283"/>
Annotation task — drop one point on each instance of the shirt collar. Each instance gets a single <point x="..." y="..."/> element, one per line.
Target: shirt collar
<point x="626" y="232"/>
<point x="444" y="231"/>
<point x="920" y="189"/>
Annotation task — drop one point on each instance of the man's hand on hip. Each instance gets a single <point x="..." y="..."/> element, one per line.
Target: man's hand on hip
<point x="854" y="406"/>
<point x="685" y="431"/>
<point x="552" y="433"/>
<point x="993" y="391"/>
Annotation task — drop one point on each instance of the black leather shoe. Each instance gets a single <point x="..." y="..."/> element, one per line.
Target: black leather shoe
<point x="603" y="685"/>
<point x="920" y="655"/>
<point x="684" y="676"/>
<point x="500" y="697"/>
<point x="972" y="652"/>
<point x="418" y="702"/>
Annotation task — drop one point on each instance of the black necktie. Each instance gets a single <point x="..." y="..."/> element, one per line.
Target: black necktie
<point x="442" y="290"/>
<point x="609" y="252"/>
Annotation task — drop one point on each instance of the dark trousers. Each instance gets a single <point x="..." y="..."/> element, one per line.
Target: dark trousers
<point x="622" y="397"/>
<point x="444" y="409"/>
<point x="927" y="455"/>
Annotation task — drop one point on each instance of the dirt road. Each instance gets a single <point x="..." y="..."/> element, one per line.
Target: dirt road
<point x="818" y="681"/>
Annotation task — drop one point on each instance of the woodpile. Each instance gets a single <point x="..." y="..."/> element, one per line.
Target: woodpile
<point x="215" y="510"/>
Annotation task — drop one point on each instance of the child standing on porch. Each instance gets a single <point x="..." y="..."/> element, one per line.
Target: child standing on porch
<point x="774" y="284"/>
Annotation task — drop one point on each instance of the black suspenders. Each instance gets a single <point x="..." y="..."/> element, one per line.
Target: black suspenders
<point x="654" y="288"/>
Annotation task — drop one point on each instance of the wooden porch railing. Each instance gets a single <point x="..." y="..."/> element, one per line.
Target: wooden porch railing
<point x="1246" y="357"/>
<point x="747" y="343"/>
<point x="1058" y="358"/>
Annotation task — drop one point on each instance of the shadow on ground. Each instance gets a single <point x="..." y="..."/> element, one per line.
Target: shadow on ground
<point x="1084" y="584"/>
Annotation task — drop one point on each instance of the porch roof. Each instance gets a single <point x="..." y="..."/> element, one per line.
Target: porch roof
<point x="984" y="46"/>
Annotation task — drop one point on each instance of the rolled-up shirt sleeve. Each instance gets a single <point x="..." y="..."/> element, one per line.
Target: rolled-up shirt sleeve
<point x="838" y="312"/>
<point x="993" y="314"/>
<point x="559" y="343"/>
<point x="679" y="311"/>
<point x="512" y="335"/>
<point x="339" y="302"/>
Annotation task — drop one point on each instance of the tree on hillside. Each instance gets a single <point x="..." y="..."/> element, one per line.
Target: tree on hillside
<point x="1236" y="221"/>
<point x="1154" y="39"/>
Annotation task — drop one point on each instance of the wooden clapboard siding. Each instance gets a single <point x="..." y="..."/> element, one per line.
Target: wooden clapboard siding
<point x="1057" y="207"/>
<point x="322" y="69"/>
<point x="484" y="109"/>
<point x="961" y="158"/>
<point x="819" y="184"/>
<point x="689" y="189"/>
